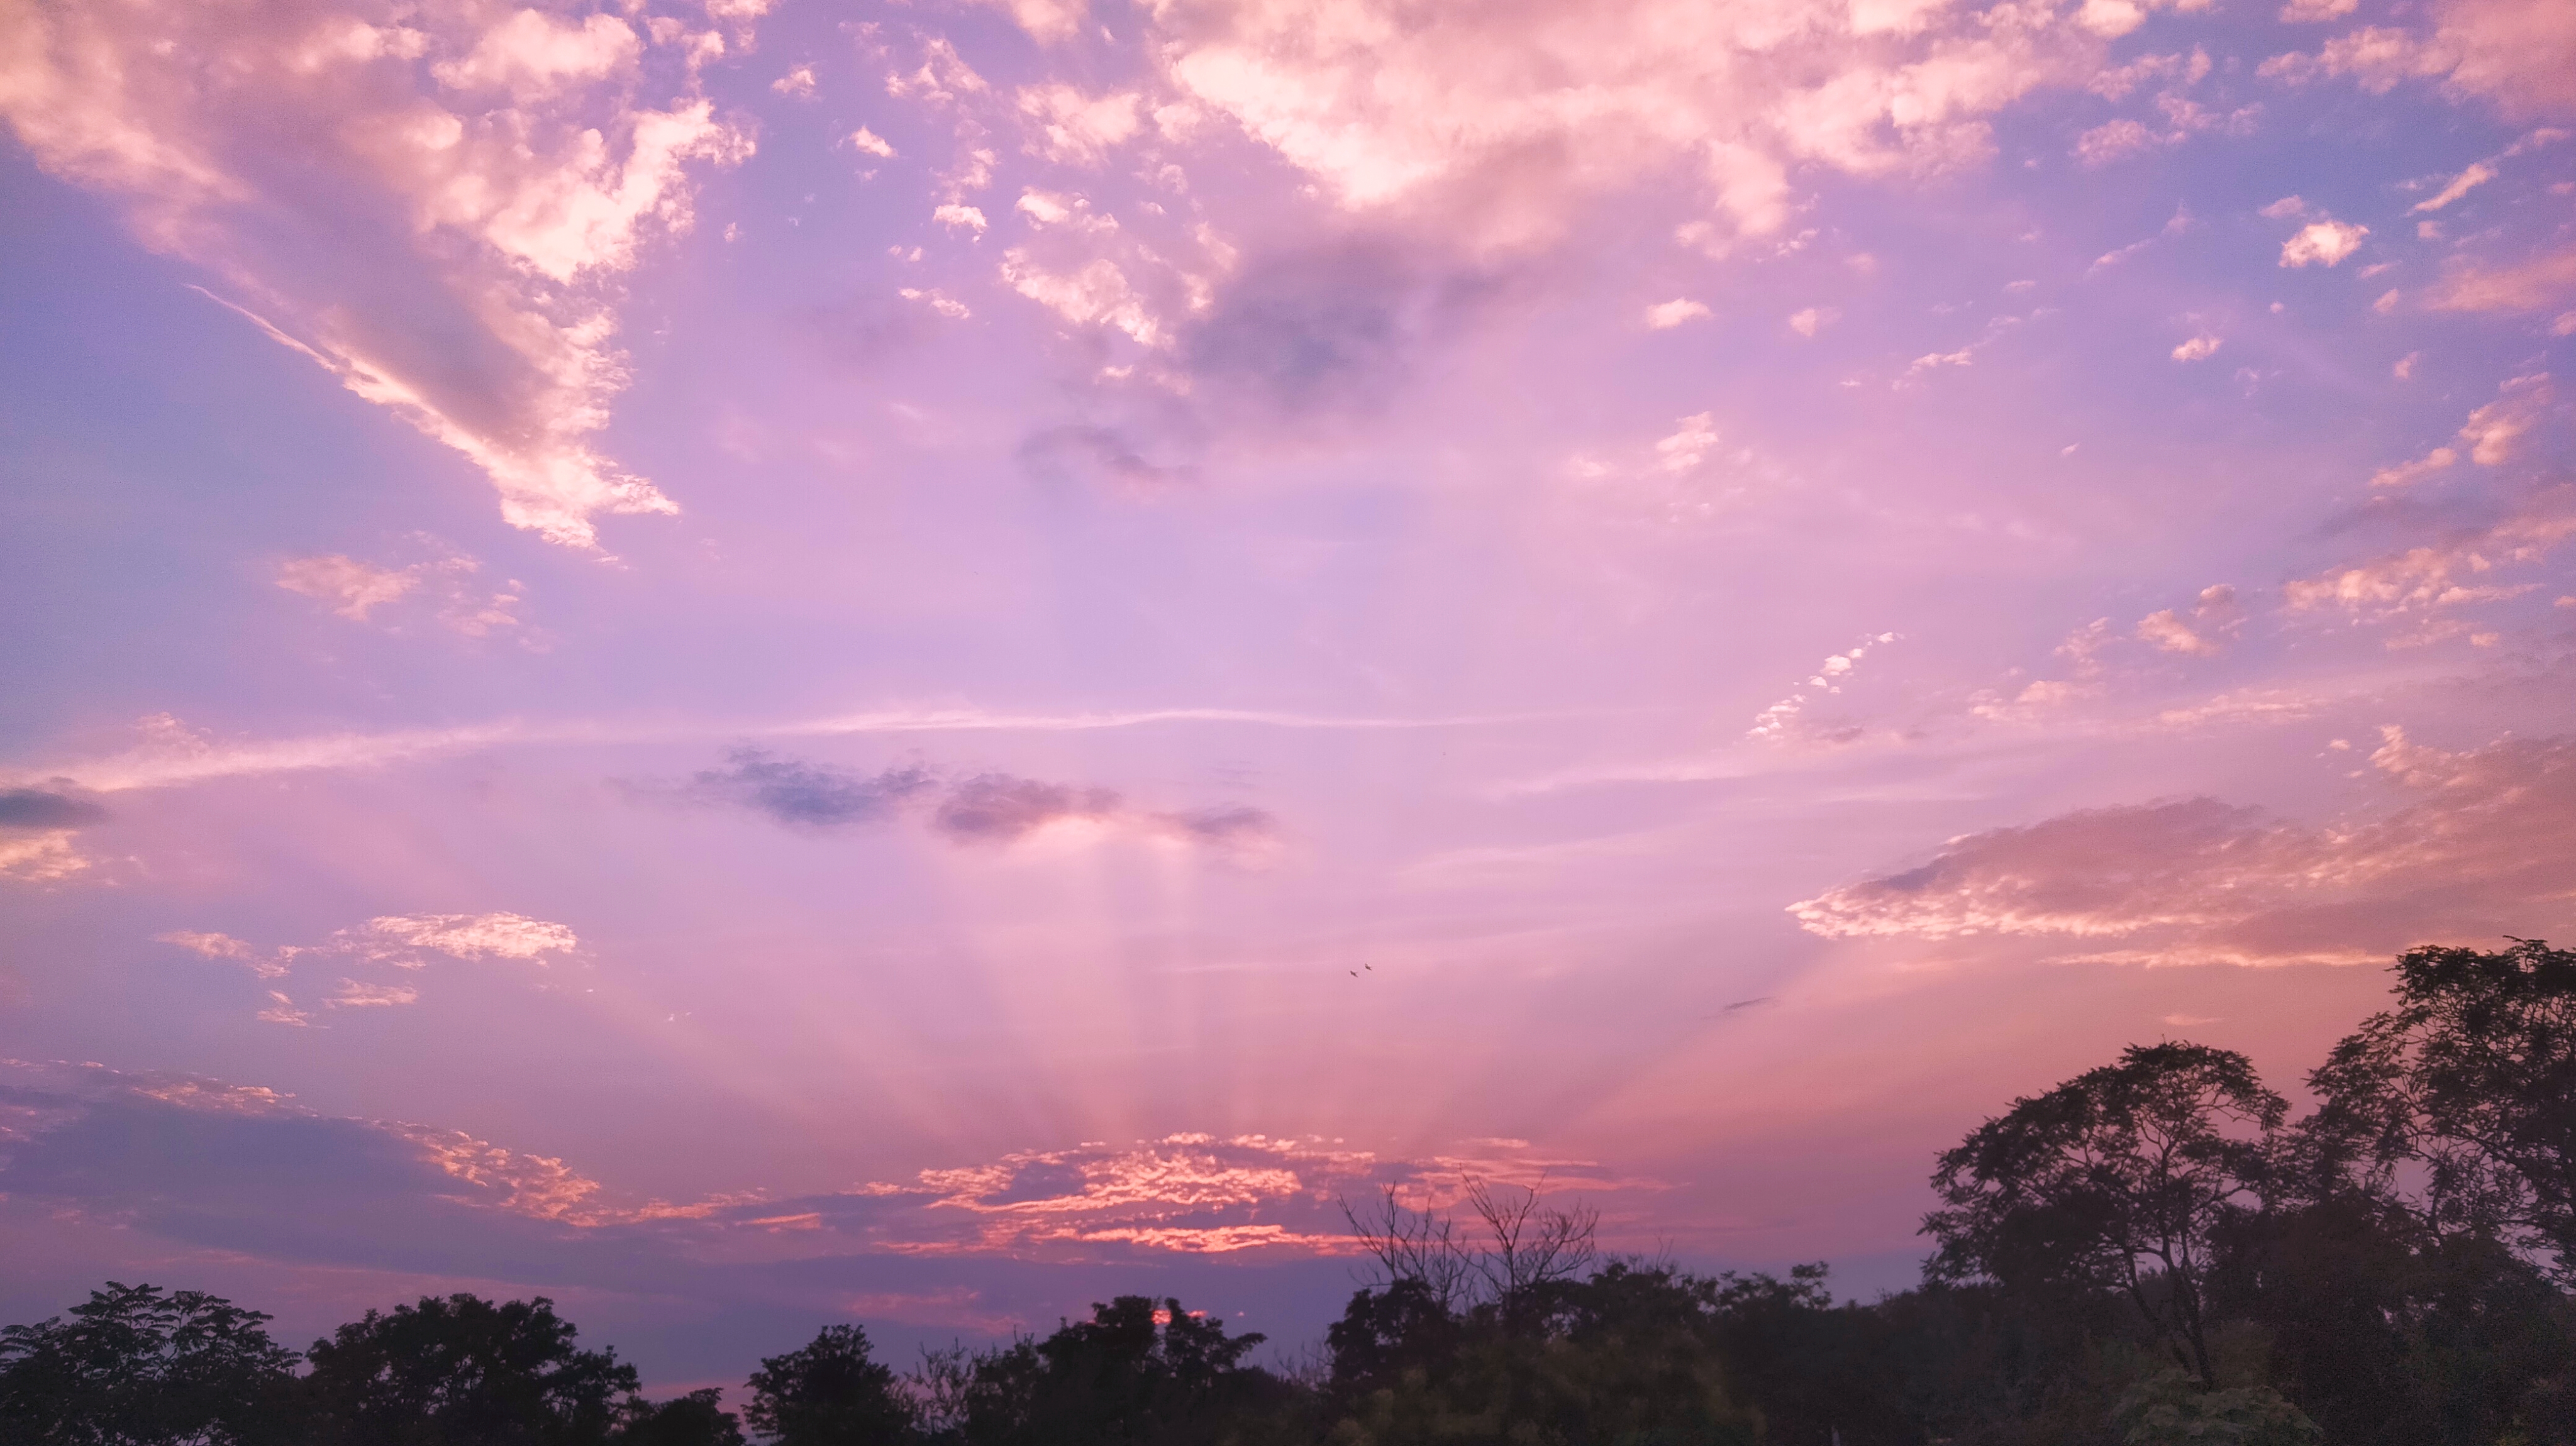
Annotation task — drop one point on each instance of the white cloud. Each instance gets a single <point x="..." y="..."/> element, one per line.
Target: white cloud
<point x="1048" y="22"/>
<point x="2324" y="242"/>
<point x="348" y="587"/>
<point x="1813" y="319"/>
<point x="954" y="215"/>
<point x="2476" y="175"/>
<point x="354" y="994"/>
<point x="2443" y="574"/>
<point x="1689" y="444"/>
<point x="1665" y="315"/>
<point x="225" y="946"/>
<point x="868" y="142"/>
<point x="1781" y="720"/>
<point x="938" y="301"/>
<point x="470" y="936"/>
<point x="1493" y="124"/>
<point x="2521" y="54"/>
<point x="445" y="582"/>
<point x="797" y="83"/>
<point x="436" y="210"/>
<point x="41" y="858"/>
<point x="2199" y="348"/>
<point x="282" y="1010"/>
<point x="1077" y="129"/>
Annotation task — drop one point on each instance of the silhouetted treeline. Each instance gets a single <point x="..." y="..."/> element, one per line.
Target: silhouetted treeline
<point x="2153" y="1252"/>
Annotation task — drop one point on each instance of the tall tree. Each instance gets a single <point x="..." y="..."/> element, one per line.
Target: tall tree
<point x="139" y="1366"/>
<point x="2114" y="1180"/>
<point x="2467" y="1090"/>
<point x="830" y="1392"/>
<point x="462" y="1371"/>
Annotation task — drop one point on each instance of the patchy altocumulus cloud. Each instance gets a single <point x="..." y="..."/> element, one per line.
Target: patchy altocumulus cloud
<point x="401" y="941"/>
<point x="1493" y="125"/>
<point x="443" y="585"/>
<point x="432" y="201"/>
<point x="2519" y="54"/>
<point x="2479" y="843"/>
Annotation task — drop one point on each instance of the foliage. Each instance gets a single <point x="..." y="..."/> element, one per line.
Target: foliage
<point x="2471" y="1080"/>
<point x="140" y="1366"/>
<point x="462" y="1371"/>
<point x="2115" y="1180"/>
<point x="2168" y="1409"/>
<point x="830" y="1393"/>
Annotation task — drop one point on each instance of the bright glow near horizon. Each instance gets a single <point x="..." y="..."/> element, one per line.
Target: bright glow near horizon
<point x="756" y="662"/>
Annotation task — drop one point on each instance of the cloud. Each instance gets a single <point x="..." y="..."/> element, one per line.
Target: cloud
<point x="44" y="858"/>
<point x="175" y="755"/>
<point x="2324" y="242"/>
<point x="1785" y="719"/>
<point x="807" y="795"/>
<point x="2479" y="843"/>
<point x="1665" y="315"/>
<point x="999" y="808"/>
<point x="2493" y="432"/>
<point x="1101" y="456"/>
<point x="1076" y="129"/>
<point x="2478" y="174"/>
<point x="2520" y="54"/>
<point x="353" y="994"/>
<point x="1494" y="127"/>
<point x="2444" y="573"/>
<point x="1305" y="336"/>
<point x="2199" y="348"/>
<point x="403" y="941"/>
<point x="37" y="808"/>
<point x="2213" y="618"/>
<point x="437" y="209"/>
<point x="37" y="826"/>
<point x="348" y="587"/>
<point x="470" y="936"/>
<point x="251" y="1172"/>
<point x="2541" y="282"/>
<point x="1048" y="22"/>
<point x="443" y="581"/>
<point x="225" y="946"/>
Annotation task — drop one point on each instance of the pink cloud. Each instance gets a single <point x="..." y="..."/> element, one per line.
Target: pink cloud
<point x="2479" y="841"/>
<point x="433" y="208"/>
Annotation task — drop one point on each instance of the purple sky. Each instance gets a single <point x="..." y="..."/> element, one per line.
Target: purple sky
<point x="753" y="663"/>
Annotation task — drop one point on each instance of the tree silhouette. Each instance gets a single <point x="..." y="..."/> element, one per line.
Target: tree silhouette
<point x="462" y="1371"/>
<point x="2471" y="1081"/>
<point x="2114" y="1180"/>
<point x="140" y="1366"/>
<point x="831" y="1392"/>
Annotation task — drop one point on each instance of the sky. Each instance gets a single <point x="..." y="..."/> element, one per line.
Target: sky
<point x="755" y="662"/>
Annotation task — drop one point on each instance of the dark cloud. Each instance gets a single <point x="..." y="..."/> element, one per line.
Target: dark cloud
<point x="35" y="808"/>
<point x="866" y="335"/>
<point x="998" y="808"/>
<point x="809" y="795"/>
<point x="1099" y="457"/>
<point x="1329" y="332"/>
<point x="1228" y="827"/>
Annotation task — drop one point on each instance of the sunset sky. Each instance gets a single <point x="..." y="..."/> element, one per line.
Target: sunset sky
<point x="751" y="662"/>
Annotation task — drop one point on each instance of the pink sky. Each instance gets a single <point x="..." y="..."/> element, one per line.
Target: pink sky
<point x="752" y="663"/>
